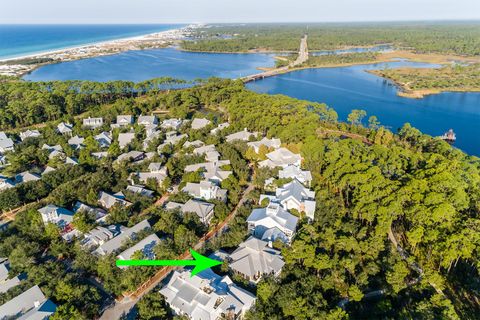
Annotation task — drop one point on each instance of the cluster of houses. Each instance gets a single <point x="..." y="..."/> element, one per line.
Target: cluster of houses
<point x="210" y="296"/>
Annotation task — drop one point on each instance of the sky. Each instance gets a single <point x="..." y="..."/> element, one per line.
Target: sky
<point x="184" y="11"/>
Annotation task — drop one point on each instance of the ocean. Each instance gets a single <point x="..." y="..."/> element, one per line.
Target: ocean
<point x="21" y="40"/>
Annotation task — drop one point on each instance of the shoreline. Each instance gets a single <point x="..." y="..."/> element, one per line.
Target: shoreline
<point x="160" y="39"/>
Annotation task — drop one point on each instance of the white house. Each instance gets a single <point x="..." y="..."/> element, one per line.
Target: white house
<point x="76" y="142"/>
<point x="219" y="128"/>
<point x="97" y="213"/>
<point x="145" y="246"/>
<point x="104" y="139"/>
<point x="56" y="215"/>
<point x="131" y="156"/>
<point x="6" y="283"/>
<point x="210" y="152"/>
<point x="171" y="138"/>
<point x="212" y="170"/>
<point x="294" y="195"/>
<point x="206" y="296"/>
<point x="200" y="123"/>
<point x="281" y="157"/>
<point x="268" y="143"/>
<point x="141" y="190"/>
<point x="100" y="235"/>
<point x="195" y="144"/>
<point x="156" y="171"/>
<point x="108" y="200"/>
<point x="65" y="128"/>
<point x="124" y="139"/>
<point x="205" y="190"/>
<point x="126" y="234"/>
<point x="29" y="305"/>
<point x="6" y="144"/>
<point x="147" y="121"/>
<point x="29" y="134"/>
<point x="254" y="259"/>
<point x="294" y="172"/>
<point x="272" y="223"/>
<point x="203" y="210"/>
<point x="171" y="124"/>
<point x="93" y="123"/>
<point x="123" y="121"/>
<point x="244" y="135"/>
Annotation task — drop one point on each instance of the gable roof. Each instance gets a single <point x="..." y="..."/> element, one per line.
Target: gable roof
<point x="25" y="302"/>
<point x="199" y="123"/>
<point x="107" y="200"/>
<point x="115" y="243"/>
<point x="280" y="158"/>
<point x="243" y="135"/>
<point x="274" y="215"/>
<point x="26" y="177"/>
<point x="146" y="245"/>
<point x="125" y="138"/>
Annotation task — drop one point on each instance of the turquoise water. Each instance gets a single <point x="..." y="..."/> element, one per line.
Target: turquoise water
<point x="147" y="64"/>
<point x="19" y="40"/>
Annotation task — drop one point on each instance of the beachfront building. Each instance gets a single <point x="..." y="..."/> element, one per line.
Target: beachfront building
<point x="272" y="223"/>
<point x="206" y="296"/>
<point x="203" y="210"/>
<point x="244" y="135"/>
<point x="282" y="158"/>
<point x="267" y="143"/>
<point x="29" y="305"/>
<point x="294" y="172"/>
<point x="92" y="123"/>
<point x="115" y="243"/>
<point x="254" y="259"/>
<point x="200" y="123"/>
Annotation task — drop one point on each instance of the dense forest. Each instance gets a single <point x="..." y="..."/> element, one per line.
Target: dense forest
<point x="461" y="38"/>
<point x="377" y="191"/>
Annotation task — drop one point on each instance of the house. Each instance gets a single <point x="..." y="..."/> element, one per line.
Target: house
<point x="65" y="128"/>
<point x="6" y="183"/>
<point x="195" y="144"/>
<point x="281" y="157"/>
<point x="29" y="134"/>
<point x="210" y="152"/>
<point x="205" y="190"/>
<point x="29" y="305"/>
<point x="132" y="156"/>
<point x="203" y="210"/>
<point x="254" y="258"/>
<point x="126" y="234"/>
<point x="124" y="139"/>
<point x="108" y="200"/>
<point x="76" y="142"/>
<point x="294" y="172"/>
<point x="219" y="128"/>
<point x="294" y="195"/>
<point x="212" y="170"/>
<point x="7" y="283"/>
<point x="122" y="121"/>
<point x="147" y="121"/>
<point x="48" y="169"/>
<point x="156" y="171"/>
<point x="56" y="215"/>
<point x="200" y="123"/>
<point x="268" y="143"/>
<point x="104" y="139"/>
<point x="272" y="223"/>
<point x="93" y="123"/>
<point x="26" y="177"/>
<point x="100" y="155"/>
<point x="97" y="213"/>
<point x="6" y="144"/>
<point x="151" y="136"/>
<point x="171" y="138"/>
<point x="244" y="135"/>
<point x="171" y="124"/>
<point x="100" y="235"/>
<point x="141" y="190"/>
<point x="71" y="160"/>
<point x="54" y="151"/>
<point x="145" y="246"/>
<point x="206" y="296"/>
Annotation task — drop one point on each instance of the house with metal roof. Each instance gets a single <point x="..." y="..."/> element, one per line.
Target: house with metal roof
<point x="114" y="244"/>
<point x="203" y="210"/>
<point x="29" y="134"/>
<point x="205" y="190"/>
<point x="145" y="246"/>
<point x="65" y="128"/>
<point x="272" y="223"/>
<point x="206" y="296"/>
<point x="76" y="142"/>
<point x="281" y="157"/>
<point x="254" y="258"/>
<point x="29" y="305"/>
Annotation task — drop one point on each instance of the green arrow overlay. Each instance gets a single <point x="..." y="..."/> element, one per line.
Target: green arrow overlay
<point x="200" y="262"/>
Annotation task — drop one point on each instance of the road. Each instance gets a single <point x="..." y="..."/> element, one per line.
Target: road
<point x="124" y="306"/>
<point x="301" y="59"/>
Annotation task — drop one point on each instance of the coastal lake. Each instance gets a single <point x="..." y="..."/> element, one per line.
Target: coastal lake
<point x="343" y="88"/>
